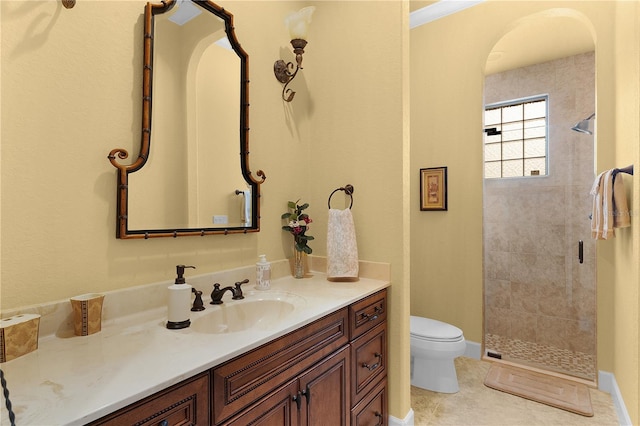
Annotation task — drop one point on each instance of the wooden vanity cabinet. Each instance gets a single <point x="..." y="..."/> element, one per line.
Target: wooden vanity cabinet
<point x="330" y="372"/>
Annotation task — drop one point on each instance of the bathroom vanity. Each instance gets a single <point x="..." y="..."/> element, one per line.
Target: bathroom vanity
<point x="322" y="360"/>
<point x="332" y="371"/>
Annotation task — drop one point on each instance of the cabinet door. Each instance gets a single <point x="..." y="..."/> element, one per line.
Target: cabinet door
<point x="243" y="380"/>
<point x="325" y="391"/>
<point x="277" y="409"/>
<point x="184" y="404"/>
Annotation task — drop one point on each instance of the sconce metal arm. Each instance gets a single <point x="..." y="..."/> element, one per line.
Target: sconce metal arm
<point x="286" y="72"/>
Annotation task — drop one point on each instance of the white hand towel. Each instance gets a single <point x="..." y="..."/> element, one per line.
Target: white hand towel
<point x="342" y="248"/>
<point x="246" y="208"/>
<point x="601" y="217"/>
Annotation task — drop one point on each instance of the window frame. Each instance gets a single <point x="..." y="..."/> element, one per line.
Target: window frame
<point x="508" y="103"/>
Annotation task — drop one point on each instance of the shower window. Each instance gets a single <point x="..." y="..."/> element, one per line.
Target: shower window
<point x="515" y="139"/>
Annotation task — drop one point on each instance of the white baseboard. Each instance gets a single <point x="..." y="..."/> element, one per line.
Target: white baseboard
<point x="474" y="350"/>
<point x="407" y="421"/>
<point x="607" y="383"/>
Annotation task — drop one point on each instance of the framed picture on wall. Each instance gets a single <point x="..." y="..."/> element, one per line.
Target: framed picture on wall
<point x="433" y="188"/>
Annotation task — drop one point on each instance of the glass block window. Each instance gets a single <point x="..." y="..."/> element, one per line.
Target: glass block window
<point x="515" y="138"/>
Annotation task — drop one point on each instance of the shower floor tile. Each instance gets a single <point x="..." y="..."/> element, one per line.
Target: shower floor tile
<point x="577" y="364"/>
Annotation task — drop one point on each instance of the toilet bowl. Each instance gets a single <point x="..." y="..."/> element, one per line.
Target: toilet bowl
<point x="434" y="346"/>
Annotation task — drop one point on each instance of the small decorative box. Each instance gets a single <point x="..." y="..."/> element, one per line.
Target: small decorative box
<point x="18" y="336"/>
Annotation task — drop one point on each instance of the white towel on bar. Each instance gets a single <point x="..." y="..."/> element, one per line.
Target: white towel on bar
<point x="246" y="208"/>
<point x="610" y="209"/>
<point x="342" y="248"/>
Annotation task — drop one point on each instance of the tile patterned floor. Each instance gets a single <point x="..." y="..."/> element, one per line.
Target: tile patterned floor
<point x="477" y="405"/>
<point x="577" y="364"/>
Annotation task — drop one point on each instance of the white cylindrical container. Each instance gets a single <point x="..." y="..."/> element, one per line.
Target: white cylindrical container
<point x="263" y="273"/>
<point x="179" y="301"/>
<point x="179" y="304"/>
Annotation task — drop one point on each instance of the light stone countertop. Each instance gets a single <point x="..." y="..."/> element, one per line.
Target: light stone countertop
<point x="72" y="380"/>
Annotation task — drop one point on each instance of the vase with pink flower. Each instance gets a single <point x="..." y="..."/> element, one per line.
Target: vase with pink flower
<point x="297" y="225"/>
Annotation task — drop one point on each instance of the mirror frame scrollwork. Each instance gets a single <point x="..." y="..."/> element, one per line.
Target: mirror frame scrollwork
<point x="122" y="229"/>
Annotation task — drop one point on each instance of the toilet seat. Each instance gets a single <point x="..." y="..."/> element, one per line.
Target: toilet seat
<point x="430" y="330"/>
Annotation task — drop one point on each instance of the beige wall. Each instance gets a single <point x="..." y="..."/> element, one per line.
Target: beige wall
<point x="69" y="99"/>
<point x="447" y="63"/>
<point x="70" y="94"/>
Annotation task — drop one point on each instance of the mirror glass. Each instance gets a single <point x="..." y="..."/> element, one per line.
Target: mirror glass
<point x="194" y="150"/>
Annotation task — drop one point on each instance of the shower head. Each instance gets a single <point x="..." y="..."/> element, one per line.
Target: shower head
<point x="583" y="126"/>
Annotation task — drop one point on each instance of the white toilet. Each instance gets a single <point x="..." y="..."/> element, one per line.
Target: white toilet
<point x="434" y="346"/>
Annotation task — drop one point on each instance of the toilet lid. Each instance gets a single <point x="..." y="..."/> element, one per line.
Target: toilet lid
<point x="430" y="329"/>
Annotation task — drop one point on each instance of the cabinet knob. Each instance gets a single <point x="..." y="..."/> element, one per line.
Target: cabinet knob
<point x="296" y="398"/>
<point x="307" y="394"/>
<point x="380" y="419"/>
<point x="372" y="367"/>
<point x="165" y="422"/>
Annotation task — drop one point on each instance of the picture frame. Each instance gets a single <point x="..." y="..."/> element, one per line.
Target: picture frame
<point x="433" y="188"/>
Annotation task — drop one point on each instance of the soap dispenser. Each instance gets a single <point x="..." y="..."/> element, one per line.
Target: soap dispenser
<point x="263" y="273"/>
<point x="179" y="301"/>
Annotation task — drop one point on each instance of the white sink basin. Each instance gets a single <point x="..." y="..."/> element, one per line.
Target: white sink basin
<point x="256" y="312"/>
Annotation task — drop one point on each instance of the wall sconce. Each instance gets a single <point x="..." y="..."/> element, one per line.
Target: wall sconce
<point x="298" y="23"/>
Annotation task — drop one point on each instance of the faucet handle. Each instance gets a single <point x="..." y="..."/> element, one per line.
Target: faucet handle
<point x="198" y="305"/>
<point x="237" y="292"/>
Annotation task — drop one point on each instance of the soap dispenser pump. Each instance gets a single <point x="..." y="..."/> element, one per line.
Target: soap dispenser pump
<point x="179" y="301"/>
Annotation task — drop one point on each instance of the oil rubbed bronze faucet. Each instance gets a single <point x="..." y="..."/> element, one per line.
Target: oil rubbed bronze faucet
<point x="217" y="293"/>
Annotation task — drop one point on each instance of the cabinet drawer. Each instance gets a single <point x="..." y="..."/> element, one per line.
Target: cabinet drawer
<point x="369" y="355"/>
<point x="372" y="410"/>
<point x="367" y="313"/>
<point x="245" y="379"/>
<point x="184" y="404"/>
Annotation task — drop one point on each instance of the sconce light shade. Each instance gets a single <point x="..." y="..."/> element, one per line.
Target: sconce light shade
<point x="298" y="24"/>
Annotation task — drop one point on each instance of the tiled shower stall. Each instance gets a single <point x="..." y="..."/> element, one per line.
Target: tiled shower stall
<point x="539" y="301"/>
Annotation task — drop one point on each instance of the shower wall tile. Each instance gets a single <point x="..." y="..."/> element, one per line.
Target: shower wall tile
<point x="498" y="321"/>
<point x="554" y="300"/>
<point x="498" y="205"/>
<point x="524" y="298"/>
<point x="498" y="293"/>
<point x="581" y="336"/>
<point x="524" y="327"/>
<point x="497" y="236"/>
<point x="522" y="267"/>
<point x="497" y="265"/>
<point x="583" y="305"/>
<point x="552" y="331"/>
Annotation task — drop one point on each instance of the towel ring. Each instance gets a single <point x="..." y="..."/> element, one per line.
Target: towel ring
<point x="348" y="189"/>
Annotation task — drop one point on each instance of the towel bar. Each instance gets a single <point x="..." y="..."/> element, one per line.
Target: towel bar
<point x="628" y="170"/>
<point x="348" y="189"/>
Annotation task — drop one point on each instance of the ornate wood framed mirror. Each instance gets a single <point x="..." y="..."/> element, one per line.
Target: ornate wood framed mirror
<point x="188" y="178"/>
